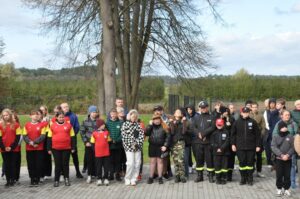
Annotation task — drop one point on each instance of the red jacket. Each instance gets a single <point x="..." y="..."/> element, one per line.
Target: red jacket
<point x="61" y="135"/>
<point x="9" y="136"/>
<point x="101" y="139"/>
<point x="34" y="131"/>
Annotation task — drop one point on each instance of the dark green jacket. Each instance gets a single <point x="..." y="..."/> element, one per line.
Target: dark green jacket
<point x="114" y="129"/>
<point x="296" y="116"/>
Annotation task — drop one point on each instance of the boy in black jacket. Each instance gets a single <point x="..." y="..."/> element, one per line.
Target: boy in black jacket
<point x="245" y="141"/>
<point x="220" y="143"/>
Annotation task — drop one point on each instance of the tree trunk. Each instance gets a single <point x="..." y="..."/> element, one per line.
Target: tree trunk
<point x="108" y="53"/>
<point x="100" y="85"/>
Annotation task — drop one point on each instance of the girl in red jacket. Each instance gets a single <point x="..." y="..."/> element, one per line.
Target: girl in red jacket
<point x="61" y="143"/>
<point x="100" y="139"/>
<point x="10" y="133"/>
<point x="34" y="135"/>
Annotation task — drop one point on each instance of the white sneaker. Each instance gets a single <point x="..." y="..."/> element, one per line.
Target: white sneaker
<point x="279" y="193"/>
<point x="42" y="180"/>
<point x="127" y="182"/>
<point x="260" y="175"/>
<point x="99" y="182"/>
<point x="106" y="182"/>
<point x="287" y="193"/>
<point x="133" y="183"/>
<point x="89" y="179"/>
<point x="190" y="170"/>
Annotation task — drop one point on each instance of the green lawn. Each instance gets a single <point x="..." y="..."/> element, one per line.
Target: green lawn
<point x="25" y="118"/>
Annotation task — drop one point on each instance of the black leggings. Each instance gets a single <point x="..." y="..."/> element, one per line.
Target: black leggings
<point x="283" y="174"/>
<point x="10" y="165"/>
<point x="115" y="161"/>
<point x="90" y="161"/>
<point x="102" y="162"/>
<point x="35" y="160"/>
<point x="61" y="160"/>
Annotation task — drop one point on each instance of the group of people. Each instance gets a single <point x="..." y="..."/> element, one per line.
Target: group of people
<point x="114" y="148"/>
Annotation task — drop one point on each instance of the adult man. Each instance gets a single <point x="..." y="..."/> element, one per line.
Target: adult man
<point x="75" y="124"/>
<point x="245" y="141"/>
<point x="119" y="103"/>
<point x="258" y="117"/>
<point x="203" y="127"/>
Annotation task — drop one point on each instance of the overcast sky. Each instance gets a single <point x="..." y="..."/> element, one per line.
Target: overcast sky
<point x="260" y="36"/>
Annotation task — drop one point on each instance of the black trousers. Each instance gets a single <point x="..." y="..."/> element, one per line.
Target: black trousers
<point x="259" y="161"/>
<point x="18" y="166"/>
<point x="75" y="157"/>
<point x="283" y="174"/>
<point x="190" y="157"/>
<point x="123" y="160"/>
<point x="246" y="159"/>
<point x="10" y="165"/>
<point x="89" y="151"/>
<point x="47" y="164"/>
<point x="35" y="164"/>
<point x="221" y="163"/>
<point x="203" y="154"/>
<point x="115" y="161"/>
<point x="231" y="160"/>
<point x="102" y="163"/>
<point x="61" y="160"/>
<point x="267" y="146"/>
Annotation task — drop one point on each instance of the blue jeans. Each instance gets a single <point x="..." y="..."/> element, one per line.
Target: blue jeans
<point x="293" y="170"/>
<point x="187" y="151"/>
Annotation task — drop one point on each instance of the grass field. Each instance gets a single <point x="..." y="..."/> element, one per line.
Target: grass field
<point x="25" y="118"/>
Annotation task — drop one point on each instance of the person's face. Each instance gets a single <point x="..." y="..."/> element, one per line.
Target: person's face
<point x="219" y="126"/>
<point x="217" y="106"/>
<point x="40" y="116"/>
<point x="61" y="118"/>
<point x="204" y="110"/>
<point x="272" y="105"/>
<point x="231" y="109"/>
<point x="119" y="103"/>
<point x="156" y="121"/>
<point x="65" y="107"/>
<point x="102" y="127"/>
<point x="297" y="106"/>
<point x="35" y="117"/>
<point x="93" y="115"/>
<point x="286" y="116"/>
<point x="266" y="103"/>
<point x="190" y="111"/>
<point x="245" y="115"/>
<point x="133" y="117"/>
<point x="121" y="115"/>
<point x="157" y="112"/>
<point x="254" y="108"/>
<point x="113" y="115"/>
<point x="43" y="110"/>
<point x="6" y="117"/>
<point x="178" y="114"/>
<point x="279" y="106"/>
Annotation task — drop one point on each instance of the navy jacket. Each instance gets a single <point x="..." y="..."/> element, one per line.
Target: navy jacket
<point x="74" y="121"/>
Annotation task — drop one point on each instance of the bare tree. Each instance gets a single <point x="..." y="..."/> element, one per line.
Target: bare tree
<point x="164" y="31"/>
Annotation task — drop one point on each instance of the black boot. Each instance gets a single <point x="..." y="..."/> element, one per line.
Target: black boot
<point x="250" y="177"/>
<point x="243" y="178"/>
<point x="67" y="182"/>
<point x="118" y="177"/>
<point x="199" y="176"/>
<point x="229" y="176"/>
<point x="56" y="184"/>
<point x="177" y="179"/>
<point x="211" y="177"/>
<point x="224" y="178"/>
<point x="219" y="178"/>
<point x="31" y="182"/>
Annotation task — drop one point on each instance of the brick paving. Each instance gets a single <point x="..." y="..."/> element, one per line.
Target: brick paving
<point x="263" y="188"/>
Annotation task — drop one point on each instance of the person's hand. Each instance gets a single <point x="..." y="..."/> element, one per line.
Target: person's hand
<point x="88" y="144"/>
<point x="257" y="149"/>
<point x="35" y="145"/>
<point x="8" y="149"/>
<point x="184" y="118"/>
<point x="72" y="151"/>
<point x="219" y="150"/>
<point x="200" y="136"/>
<point x="233" y="147"/>
<point x="163" y="148"/>
<point x="49" y="152"/>
<point x="31" y="143"/>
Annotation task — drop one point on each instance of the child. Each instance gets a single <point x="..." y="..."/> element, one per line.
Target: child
<point x="61" y="143"/>
<point x="114" y="125"/>
<point x="220" y="145"/>
<point x="178" y="129"/>
<point x="283" y="147"/>
<point x="10" y="133"/>
<point x="100" y="139"/>
<point x="34" y="135"/>
<point x="158" y="144"/>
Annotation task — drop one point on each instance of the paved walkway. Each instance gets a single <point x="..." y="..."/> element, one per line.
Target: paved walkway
<point x="264" y="188"/>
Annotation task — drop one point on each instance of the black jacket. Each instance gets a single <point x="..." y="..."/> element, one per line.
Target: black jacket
<point x="245" y="134"/>
<point x="220" y="139"/>
<point x="157" y="135"/>
<point x="178" y="131"/>
<point x="204" y="124"/>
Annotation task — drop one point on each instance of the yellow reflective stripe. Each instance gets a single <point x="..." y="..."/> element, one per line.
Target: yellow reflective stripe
<point x="92" y="139"/>
<point x="243" y="168"/>
<point x="249" y="168"/>
<point x="224" y="170"/>
<point x="199" y="168"/>
<point x="210" y="169"/>
<point x="25" y="131"/>
<point x="72" y="133"/>
<point x="230" y="169"/>
<point x="18" y="131"/>
<point x="217" y="172"/>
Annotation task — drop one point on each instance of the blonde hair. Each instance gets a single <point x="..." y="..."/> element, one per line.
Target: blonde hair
<point x="132" y="112"/>
<point x="11" y="118"/>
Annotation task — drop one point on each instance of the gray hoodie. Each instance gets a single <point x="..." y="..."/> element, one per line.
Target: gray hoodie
<point x="282" y="145"/>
